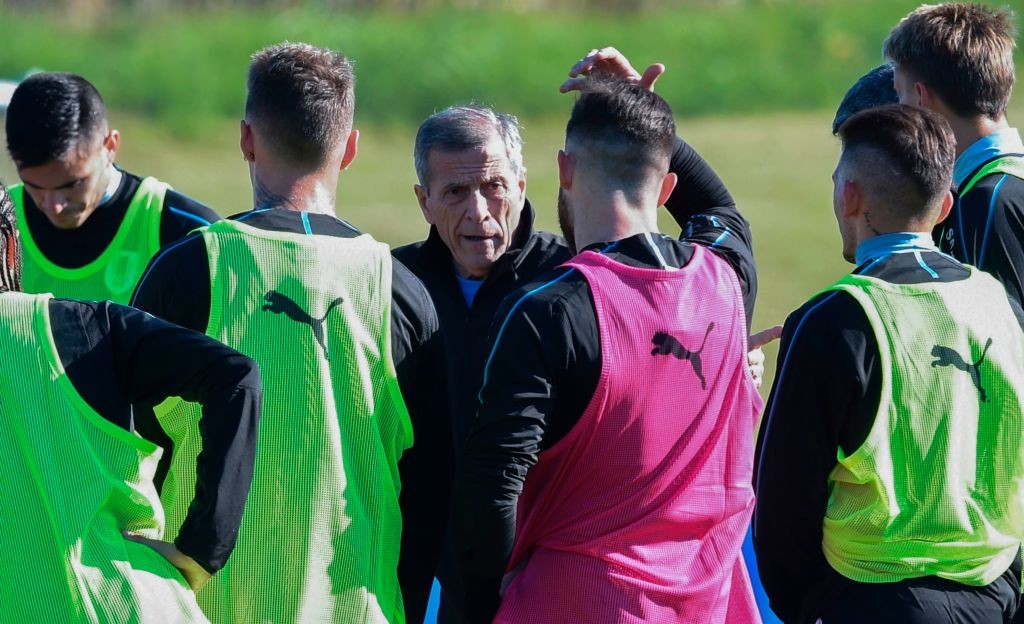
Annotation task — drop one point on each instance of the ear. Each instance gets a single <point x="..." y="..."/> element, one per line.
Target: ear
<point x="947" y="205"/>
<point x="853" y="199"/>
<point x="111" y="143"/>
<point x="668" y="184"/>
<point x="351" y="147"/>
<point x="566" y="167"/>
<point x="925" y="96"/>
<point x="522" y="183"/>
<point x="421" y="195"/>
<point x="246" y="140"/>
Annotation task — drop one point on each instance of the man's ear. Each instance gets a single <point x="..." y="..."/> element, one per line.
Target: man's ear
<point x="111" y="143"/>
<point x="566" y="167"/>
<point x="668" y="184"/>
<point x="246" y="141"/>
<point x="351" y="147"/>
<point x="926" y="98"/>
<point x="421" y="196"/>
<point x="947" y="205"/>
<point x="853" y="199"/>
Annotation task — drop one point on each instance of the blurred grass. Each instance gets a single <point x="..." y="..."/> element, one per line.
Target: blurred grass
<point x="186" y="70"/>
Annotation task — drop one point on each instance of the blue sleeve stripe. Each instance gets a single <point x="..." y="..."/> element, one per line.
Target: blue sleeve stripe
<point x="924" y="265"/>
<point x="988" y="222"/>
<point x="721" y="238"/>
<point x="782" y="370"/>
<point x="251" y="213"/>
<point x="188" y="215"/>
<point x="514" y="308"/>
<point x="305" y="222"/>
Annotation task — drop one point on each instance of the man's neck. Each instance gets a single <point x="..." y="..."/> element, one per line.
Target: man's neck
<point x="611" y="218"/>
<point x="968" y="130"/>
<point x="308" y="192"/>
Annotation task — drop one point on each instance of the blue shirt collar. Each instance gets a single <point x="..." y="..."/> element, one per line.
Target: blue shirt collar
<point x="470" y="287"/>
<point x="897" y="242"/>
<point x="1005" y="141"/>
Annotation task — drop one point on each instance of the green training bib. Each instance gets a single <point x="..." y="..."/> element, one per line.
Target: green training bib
<point x="70" y="483"/>
<point x="321" y="532"/>
<point x="937" y="488"/>
<point x="114" y="274"/>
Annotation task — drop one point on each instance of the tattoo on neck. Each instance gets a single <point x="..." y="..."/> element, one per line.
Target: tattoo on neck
<point x="867" y="220"/>
<point x="266" y="199"/>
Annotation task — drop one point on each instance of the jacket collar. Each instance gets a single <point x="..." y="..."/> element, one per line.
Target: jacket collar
<point x="440" y="257"/>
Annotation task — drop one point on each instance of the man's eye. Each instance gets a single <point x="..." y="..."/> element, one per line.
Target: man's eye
<point x="455" y="192"/>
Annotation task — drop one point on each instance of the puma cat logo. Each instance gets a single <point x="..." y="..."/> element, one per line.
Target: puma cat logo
<point x="279" y="303"/>
<point x="944" y="356"/>
<point x="667" y="344"/>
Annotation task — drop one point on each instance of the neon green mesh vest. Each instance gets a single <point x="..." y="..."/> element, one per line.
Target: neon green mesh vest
<point x="937" y="488"/>
<point x="115" y="272"/>
<point x="321" y="531"/>
<point x="70" y="483"/>
<point x="1012" y="165"/>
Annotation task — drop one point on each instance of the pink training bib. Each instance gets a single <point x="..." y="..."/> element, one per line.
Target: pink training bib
<point x="639" y="513"/>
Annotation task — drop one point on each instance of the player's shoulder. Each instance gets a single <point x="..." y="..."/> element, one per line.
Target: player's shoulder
<point x="549" y="295"/>
<point x="824" y="315"/>
<point x="189" y="211"/>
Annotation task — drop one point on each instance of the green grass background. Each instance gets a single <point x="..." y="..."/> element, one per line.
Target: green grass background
<point x="754" y="86"/>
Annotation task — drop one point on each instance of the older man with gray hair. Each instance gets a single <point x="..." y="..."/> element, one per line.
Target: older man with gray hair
<point x="483" y="246"/>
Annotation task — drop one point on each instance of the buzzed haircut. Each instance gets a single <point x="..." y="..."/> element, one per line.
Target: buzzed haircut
<point x="301" y="100"/>
<point x="10" y="246"/>
<point x="51" y="114"/>
<point x="624" y="131"/>
<point x="905" y="155"/>
<point x="963" y="52"/>
<point x="874" y="88"/>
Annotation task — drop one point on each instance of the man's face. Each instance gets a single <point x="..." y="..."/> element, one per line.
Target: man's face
<point x="474" y="199"/>
<point x="68" y="190"/>
<point x="839" y="206"/>
<point x="565" y="221"/>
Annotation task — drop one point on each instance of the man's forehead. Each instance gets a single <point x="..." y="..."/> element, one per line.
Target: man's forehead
<point x="485" y="161"/>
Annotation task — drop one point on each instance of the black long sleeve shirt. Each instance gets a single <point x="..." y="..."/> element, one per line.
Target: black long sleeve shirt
<point x="826" y="396"/>
<point x="176" y="286"/>
<point x="116" y="356"/>
<point x="985" y="228"/>
<point x="466" y="330"/>
<point x="78" y="247"/>
<point x="541" y="375"/>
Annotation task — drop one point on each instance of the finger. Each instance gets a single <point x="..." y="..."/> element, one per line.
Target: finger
<point x="651" y="75"/>
<point x="583" y="65"/>
<point x="764" y="337"/>
<point x="573" y="84"/>
<point x="755" y="357"/>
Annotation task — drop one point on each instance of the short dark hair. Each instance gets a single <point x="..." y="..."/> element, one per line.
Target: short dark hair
<point x="963" y="52"/>
<point x="302" y="98"/>
<point x="624" y="130"/>
<point x="10" y="245"/>
<point x="907" y="152"/>
<point x="51" y="114"/>
<point x="874" y="88"/>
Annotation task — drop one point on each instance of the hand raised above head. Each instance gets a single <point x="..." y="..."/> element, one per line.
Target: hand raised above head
<point x="608" y="64"/>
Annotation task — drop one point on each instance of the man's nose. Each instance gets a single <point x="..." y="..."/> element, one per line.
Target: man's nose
<point x="477" y="210"/>
<point x="54" y="201"/>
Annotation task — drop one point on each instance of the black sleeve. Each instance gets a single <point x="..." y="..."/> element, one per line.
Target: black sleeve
<point x="426" y="468"/>
<point x="517" y="400"/>
<point x="176" y="285"/>
<point x="705" y="210"/>
<point x="154" y="360"/>
<point x="824" y="398"/>
<point x="181" y="215"/>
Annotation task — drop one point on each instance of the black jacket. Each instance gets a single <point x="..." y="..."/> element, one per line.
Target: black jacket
<point x="466" y="333"/>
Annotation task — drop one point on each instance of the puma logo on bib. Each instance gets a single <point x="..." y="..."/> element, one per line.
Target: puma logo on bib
<point x="667" y="344"/>
<point x="944" y="356"/>
<point x="279" y="303"/>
